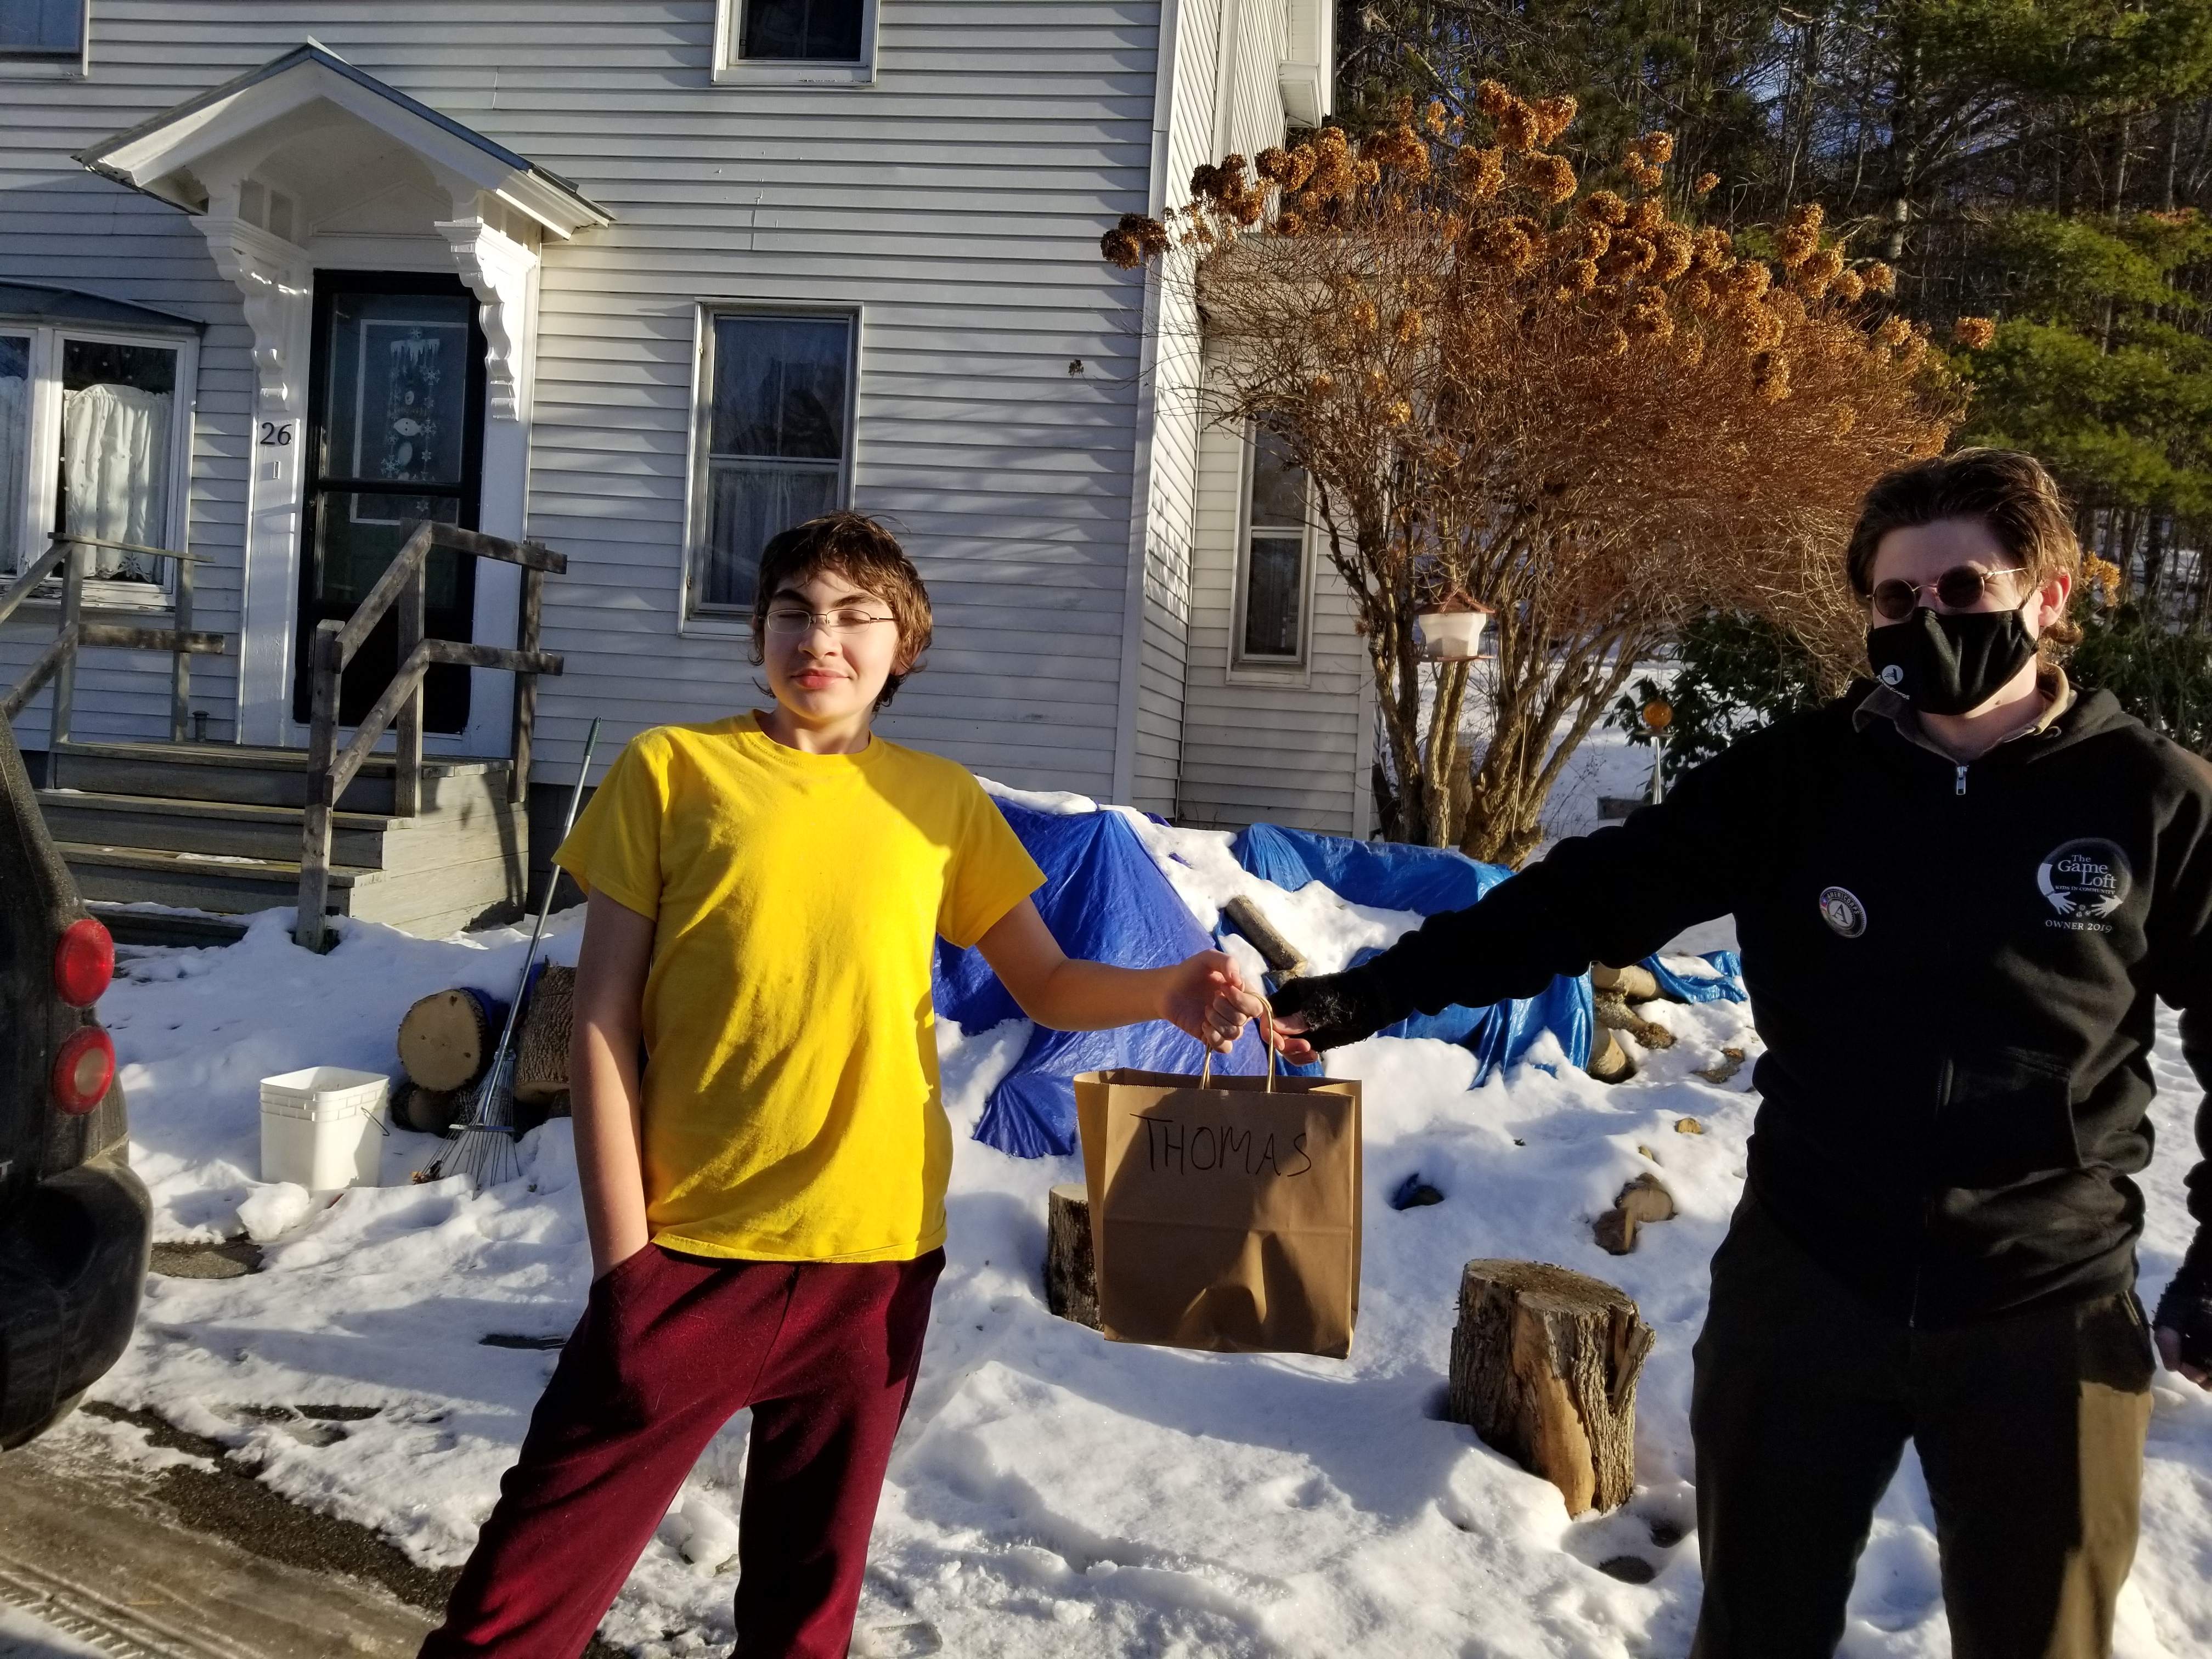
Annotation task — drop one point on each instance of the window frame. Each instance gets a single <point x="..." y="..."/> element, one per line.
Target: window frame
<point x="16" y="65"/>
<point x="695" y="616"/>
<point x="730" y="70"/>
<point x="1253" y="669"/>
<point x="32" y="531"/>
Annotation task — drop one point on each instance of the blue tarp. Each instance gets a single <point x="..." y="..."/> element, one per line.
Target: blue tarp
<point x="1103" y="898"/>
<point x="1428" y="880"/>
<point x="1726" y="984"/>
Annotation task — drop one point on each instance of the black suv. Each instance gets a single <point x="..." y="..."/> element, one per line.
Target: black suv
<point x="74" y="1222"/>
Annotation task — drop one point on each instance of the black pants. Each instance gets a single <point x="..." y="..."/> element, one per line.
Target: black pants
<point x="2030" y="1429"/>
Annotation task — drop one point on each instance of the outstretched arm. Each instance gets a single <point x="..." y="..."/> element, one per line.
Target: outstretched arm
<point x="1201" y="995"/>
<point x="603" y="1082"/>
<point x="1614" y="896"/>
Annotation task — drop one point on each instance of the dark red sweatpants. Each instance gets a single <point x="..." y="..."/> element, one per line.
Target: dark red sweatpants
<point x="669" y="1348"/>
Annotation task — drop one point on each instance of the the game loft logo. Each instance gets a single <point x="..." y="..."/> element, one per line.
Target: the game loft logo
<point x="2085" y="881"/>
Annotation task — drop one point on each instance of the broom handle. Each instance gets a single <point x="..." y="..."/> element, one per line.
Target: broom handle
<point x="545" y="907"/>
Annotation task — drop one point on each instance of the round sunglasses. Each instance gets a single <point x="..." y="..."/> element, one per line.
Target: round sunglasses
<point x="1957" y="589"/>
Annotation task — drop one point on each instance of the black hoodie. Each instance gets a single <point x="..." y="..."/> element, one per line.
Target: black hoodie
<point x="1953" y="968"/>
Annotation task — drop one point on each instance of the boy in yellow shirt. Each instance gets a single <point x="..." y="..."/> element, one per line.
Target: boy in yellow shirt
<point x="765" y="1195"/>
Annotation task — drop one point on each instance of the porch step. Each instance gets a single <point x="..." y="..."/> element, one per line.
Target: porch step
<point x="370" y="841"/>
<point x="260" y="777"/>
<point x="215" y="827"/>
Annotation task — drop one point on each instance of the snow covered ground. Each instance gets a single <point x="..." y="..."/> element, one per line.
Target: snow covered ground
<point x="1052" y="1493"/>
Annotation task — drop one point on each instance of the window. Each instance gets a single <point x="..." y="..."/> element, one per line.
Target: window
<point x="808" y="31"/>
<point x="92" y="442"/>
<point x="795" y="42"/>
<point x="42" y="28"/>
<point x="1271" y="599"/>
<point x="775" y="443"/>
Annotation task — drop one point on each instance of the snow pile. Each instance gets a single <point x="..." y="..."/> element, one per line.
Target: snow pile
<point x="1052" y="1493"/>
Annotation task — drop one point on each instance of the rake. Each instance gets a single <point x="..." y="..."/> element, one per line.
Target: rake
<point x="481" y="1143"/>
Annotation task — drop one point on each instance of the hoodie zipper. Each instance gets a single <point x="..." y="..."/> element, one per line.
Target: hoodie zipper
<point x="1960" y="788"/>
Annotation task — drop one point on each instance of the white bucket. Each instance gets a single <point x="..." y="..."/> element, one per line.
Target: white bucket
<point x="324" y="1127"/>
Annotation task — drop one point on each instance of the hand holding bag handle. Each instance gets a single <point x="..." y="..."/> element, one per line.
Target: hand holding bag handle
<point x="1267" y="1037"/>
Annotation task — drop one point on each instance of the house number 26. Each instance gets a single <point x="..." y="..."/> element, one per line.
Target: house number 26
<point x="276" y="435"/>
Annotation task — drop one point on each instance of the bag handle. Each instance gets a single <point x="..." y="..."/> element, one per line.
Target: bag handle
<point x="1268" y="1035"/>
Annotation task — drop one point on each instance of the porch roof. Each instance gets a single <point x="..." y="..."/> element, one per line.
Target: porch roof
<point x="158" y="156"/>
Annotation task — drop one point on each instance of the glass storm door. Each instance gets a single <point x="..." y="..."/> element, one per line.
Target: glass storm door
<point x="395" y="434"/>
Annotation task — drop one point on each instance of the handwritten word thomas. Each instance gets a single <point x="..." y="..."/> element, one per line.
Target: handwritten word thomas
<point x="1174" y="1147"/>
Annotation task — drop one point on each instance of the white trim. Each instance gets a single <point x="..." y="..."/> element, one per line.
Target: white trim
<point x="1266" y="670"/>
<point x="731" y="71"/>
<point x="724" y="621"/>
<point x="1128" y="701"/>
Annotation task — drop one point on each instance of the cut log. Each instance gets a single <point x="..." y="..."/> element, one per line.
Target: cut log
<point x="1071" y="1277"/>
<point x="1641" y="1201"/>
<point x="1635" y="983"/>
<point x="427" y="1111"/>
<point x="1284" y="959"/>
<point x="1544" y="1363"/>
<point x="1609" y="1061"/>
<point x="1611" y="1010"/>
<point x="541" y="1059"/>
<point x="446" y="1039"/>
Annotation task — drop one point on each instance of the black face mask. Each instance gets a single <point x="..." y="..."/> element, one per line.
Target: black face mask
<point x="1945" y="665"/>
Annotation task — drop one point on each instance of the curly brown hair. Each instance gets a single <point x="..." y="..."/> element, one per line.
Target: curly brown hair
<point x="865" y="553"/>
<point x="2006" y="489"/>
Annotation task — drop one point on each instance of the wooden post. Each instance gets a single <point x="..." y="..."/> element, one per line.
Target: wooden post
<point x="1071" y="1277"/>
<point x="407" y="738"/>
<point x="526" y="686"/>
<point x="329" y="660"/>
<point x="180" y="660"/>
<point x="64" y="703"/>
<point x="1544" y="1363"/>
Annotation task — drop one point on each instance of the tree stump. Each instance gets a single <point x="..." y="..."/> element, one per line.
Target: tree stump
<point x="1071" y="1274"/>
<point x="1544" y="1363"/>
<point x="541" y="1053"/>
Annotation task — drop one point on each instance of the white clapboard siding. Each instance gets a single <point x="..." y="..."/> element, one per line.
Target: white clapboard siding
<point x="1224" y="102"/>
<point x="958" y="202"/>
<point x="1286" y="750"/>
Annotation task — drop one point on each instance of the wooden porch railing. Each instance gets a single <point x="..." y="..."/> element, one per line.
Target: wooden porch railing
<point x="406" y="585"/>
<point x="72" y="557"/>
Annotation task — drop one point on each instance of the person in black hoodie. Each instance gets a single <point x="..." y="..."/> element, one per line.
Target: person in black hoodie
<point x="1958" y="890"/>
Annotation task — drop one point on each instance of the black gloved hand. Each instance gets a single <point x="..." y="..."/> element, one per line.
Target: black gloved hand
<point x="2186" y="1307"/>
<point x="1339" y="1008"/>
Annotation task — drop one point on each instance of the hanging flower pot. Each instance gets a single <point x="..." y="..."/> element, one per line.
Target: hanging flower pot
<point x="1453" y="630"/>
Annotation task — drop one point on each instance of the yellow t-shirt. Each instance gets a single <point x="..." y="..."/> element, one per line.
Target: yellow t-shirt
<point x="791" y="1103"/>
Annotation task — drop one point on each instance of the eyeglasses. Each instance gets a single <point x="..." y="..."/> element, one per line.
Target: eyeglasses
<point x="1957" y="588"/>
<point x="789" y="621"/>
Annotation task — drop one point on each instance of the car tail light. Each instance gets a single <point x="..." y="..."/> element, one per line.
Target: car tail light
<point x="83" y="1069"/>
<point x="84" y="963"/>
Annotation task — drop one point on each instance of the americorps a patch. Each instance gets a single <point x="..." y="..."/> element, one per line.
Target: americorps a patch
<point x="1841" y="909"/>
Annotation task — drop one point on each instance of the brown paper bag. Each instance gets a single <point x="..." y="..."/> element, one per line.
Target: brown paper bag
<point x="1224" y="1212"/>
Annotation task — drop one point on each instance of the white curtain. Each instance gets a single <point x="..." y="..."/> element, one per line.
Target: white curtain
<point x="15" y="441"/>
<point x="115" y="439"/>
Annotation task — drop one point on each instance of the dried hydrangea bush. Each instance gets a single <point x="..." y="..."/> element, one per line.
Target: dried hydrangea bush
<point x="1564" y="398"/>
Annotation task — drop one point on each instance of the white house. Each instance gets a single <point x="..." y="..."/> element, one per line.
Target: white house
<point x="643" y="280"/>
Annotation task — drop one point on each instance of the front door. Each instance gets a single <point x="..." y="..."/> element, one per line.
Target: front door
<point x="395" y="434"/>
